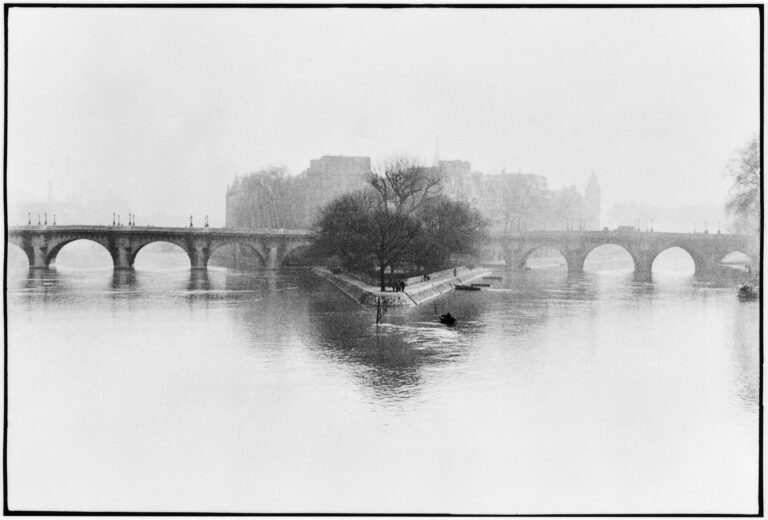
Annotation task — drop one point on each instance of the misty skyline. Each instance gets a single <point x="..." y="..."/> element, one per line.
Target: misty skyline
<point x="162" y="107"/>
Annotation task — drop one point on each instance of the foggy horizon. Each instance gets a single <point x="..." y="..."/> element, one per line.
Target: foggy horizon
<point x="163" y="107"/>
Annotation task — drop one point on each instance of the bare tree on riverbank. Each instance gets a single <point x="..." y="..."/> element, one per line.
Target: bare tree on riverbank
<point x="744" y="203"/>
<point x="399" y="221"/>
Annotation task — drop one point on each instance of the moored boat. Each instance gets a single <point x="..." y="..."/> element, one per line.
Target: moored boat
<point x="447" y="319"/>
<point x="748" y="291"/>
<point x="466" y="288"/>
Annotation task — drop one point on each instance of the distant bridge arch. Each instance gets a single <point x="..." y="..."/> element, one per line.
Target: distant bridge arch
<point x="41" y="244"/>
<point x="55" y="248"/>
<point x="253" y="246"/>
<point x="527" y="255"/>
<point x="140" y="247"/>
<point x="706" y="249"/>
<point x="748" y="256"/>
<point x="623" y="248"/>
<point x="699" y="263"/>
<point x="18" y="247"/>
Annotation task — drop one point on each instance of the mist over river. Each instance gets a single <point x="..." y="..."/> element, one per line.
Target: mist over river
<point x="164" y="389"/>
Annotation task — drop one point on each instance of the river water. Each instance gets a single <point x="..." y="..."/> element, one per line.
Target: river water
<point x="167" y="390"/>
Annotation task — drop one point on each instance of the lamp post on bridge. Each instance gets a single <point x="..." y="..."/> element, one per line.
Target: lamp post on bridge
<point x="190" y="221"/>
<point x="29" y="219"/>
<point x="38" y="219"/>
<point x="46" y="218"/>
<point x="54" y="219"/>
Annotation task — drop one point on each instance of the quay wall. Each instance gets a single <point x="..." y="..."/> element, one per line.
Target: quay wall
<point x="415" y="294"/>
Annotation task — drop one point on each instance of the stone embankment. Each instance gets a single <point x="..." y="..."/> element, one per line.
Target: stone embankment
<point x="415" y="293"/>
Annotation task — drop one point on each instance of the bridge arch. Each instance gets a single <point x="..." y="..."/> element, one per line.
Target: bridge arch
<point x="138" y="246"/>
<point x="524" y="257"/>
<point x="26" y="252"/>
<point x="736" y="257"/>
<point x="251" y="246"/>
<point x="699" y="263"/>
<point x="177" y="247"/>
<point x="54" y="248"/>
<point x="620" y="250"/>
<point x="293" y="250"/>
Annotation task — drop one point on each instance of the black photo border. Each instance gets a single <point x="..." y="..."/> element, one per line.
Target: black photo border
<point x="11" y="6"/>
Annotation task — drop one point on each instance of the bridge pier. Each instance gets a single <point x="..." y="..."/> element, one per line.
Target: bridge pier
<point x="705" y="266"/>
<point x="38" y="257"/>
<point x="643" y="260"/>
<point x="198" y="257"/>
<point x="643" y="273"/>
<point x="121" y="258"/>
<point x="272" y="257"/>
<point x="575" y="262"/>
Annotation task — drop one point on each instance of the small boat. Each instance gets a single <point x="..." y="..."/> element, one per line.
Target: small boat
<point x="748" y="292"/>
<point x="493" y="277"/>
<point x="481" y="285"/>
<point x="467" y="288"/>
<point x="447" y="319"/>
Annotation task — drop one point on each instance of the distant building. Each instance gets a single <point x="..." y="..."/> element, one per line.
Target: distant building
<point x="334" y="175"/>
<point x="275" y="200"/>
<point x="513" y="202"/>
<point x="592" y="204"/>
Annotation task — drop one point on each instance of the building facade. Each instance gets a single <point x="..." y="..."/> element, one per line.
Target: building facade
<point x="518" y="202"/>
<point x="273" y="199"/>
<point x="592" y="204"/>
<point x="513" y="202"/>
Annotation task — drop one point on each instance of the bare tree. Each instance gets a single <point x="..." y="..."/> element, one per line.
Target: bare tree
<point x="744" y="203"/>
<point x="359" y="230"/>
<point x="400" y="220"/>
<point x="404" y="185"/>
<point x="267" y="198"/>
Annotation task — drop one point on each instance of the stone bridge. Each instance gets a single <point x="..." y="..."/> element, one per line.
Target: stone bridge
<point x="42" y="243"/>
<point x="707" y="250"/>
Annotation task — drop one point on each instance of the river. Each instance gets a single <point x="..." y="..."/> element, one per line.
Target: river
<point x="169" y="390"/>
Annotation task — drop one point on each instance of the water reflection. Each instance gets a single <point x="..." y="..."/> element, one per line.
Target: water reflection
<point x="198" y="280"/>
<point x="545" y="373"/>
<point x="387" y="358"/>
<point x="123" y="279"/>
<point x="745" y="357"/>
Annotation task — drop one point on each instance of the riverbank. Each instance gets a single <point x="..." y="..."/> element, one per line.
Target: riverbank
<point x="414" y="293"/>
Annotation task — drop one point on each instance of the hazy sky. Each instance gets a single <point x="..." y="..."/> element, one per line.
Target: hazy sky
<point x="163" y="106"/>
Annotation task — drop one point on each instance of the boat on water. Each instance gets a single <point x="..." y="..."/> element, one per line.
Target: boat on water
<point x="748" y="291"/>
<point x="447" y="319"/>
<point x="481" y="285"/>
<point x="493" y="277"/>
<point x="466" y="288"/>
